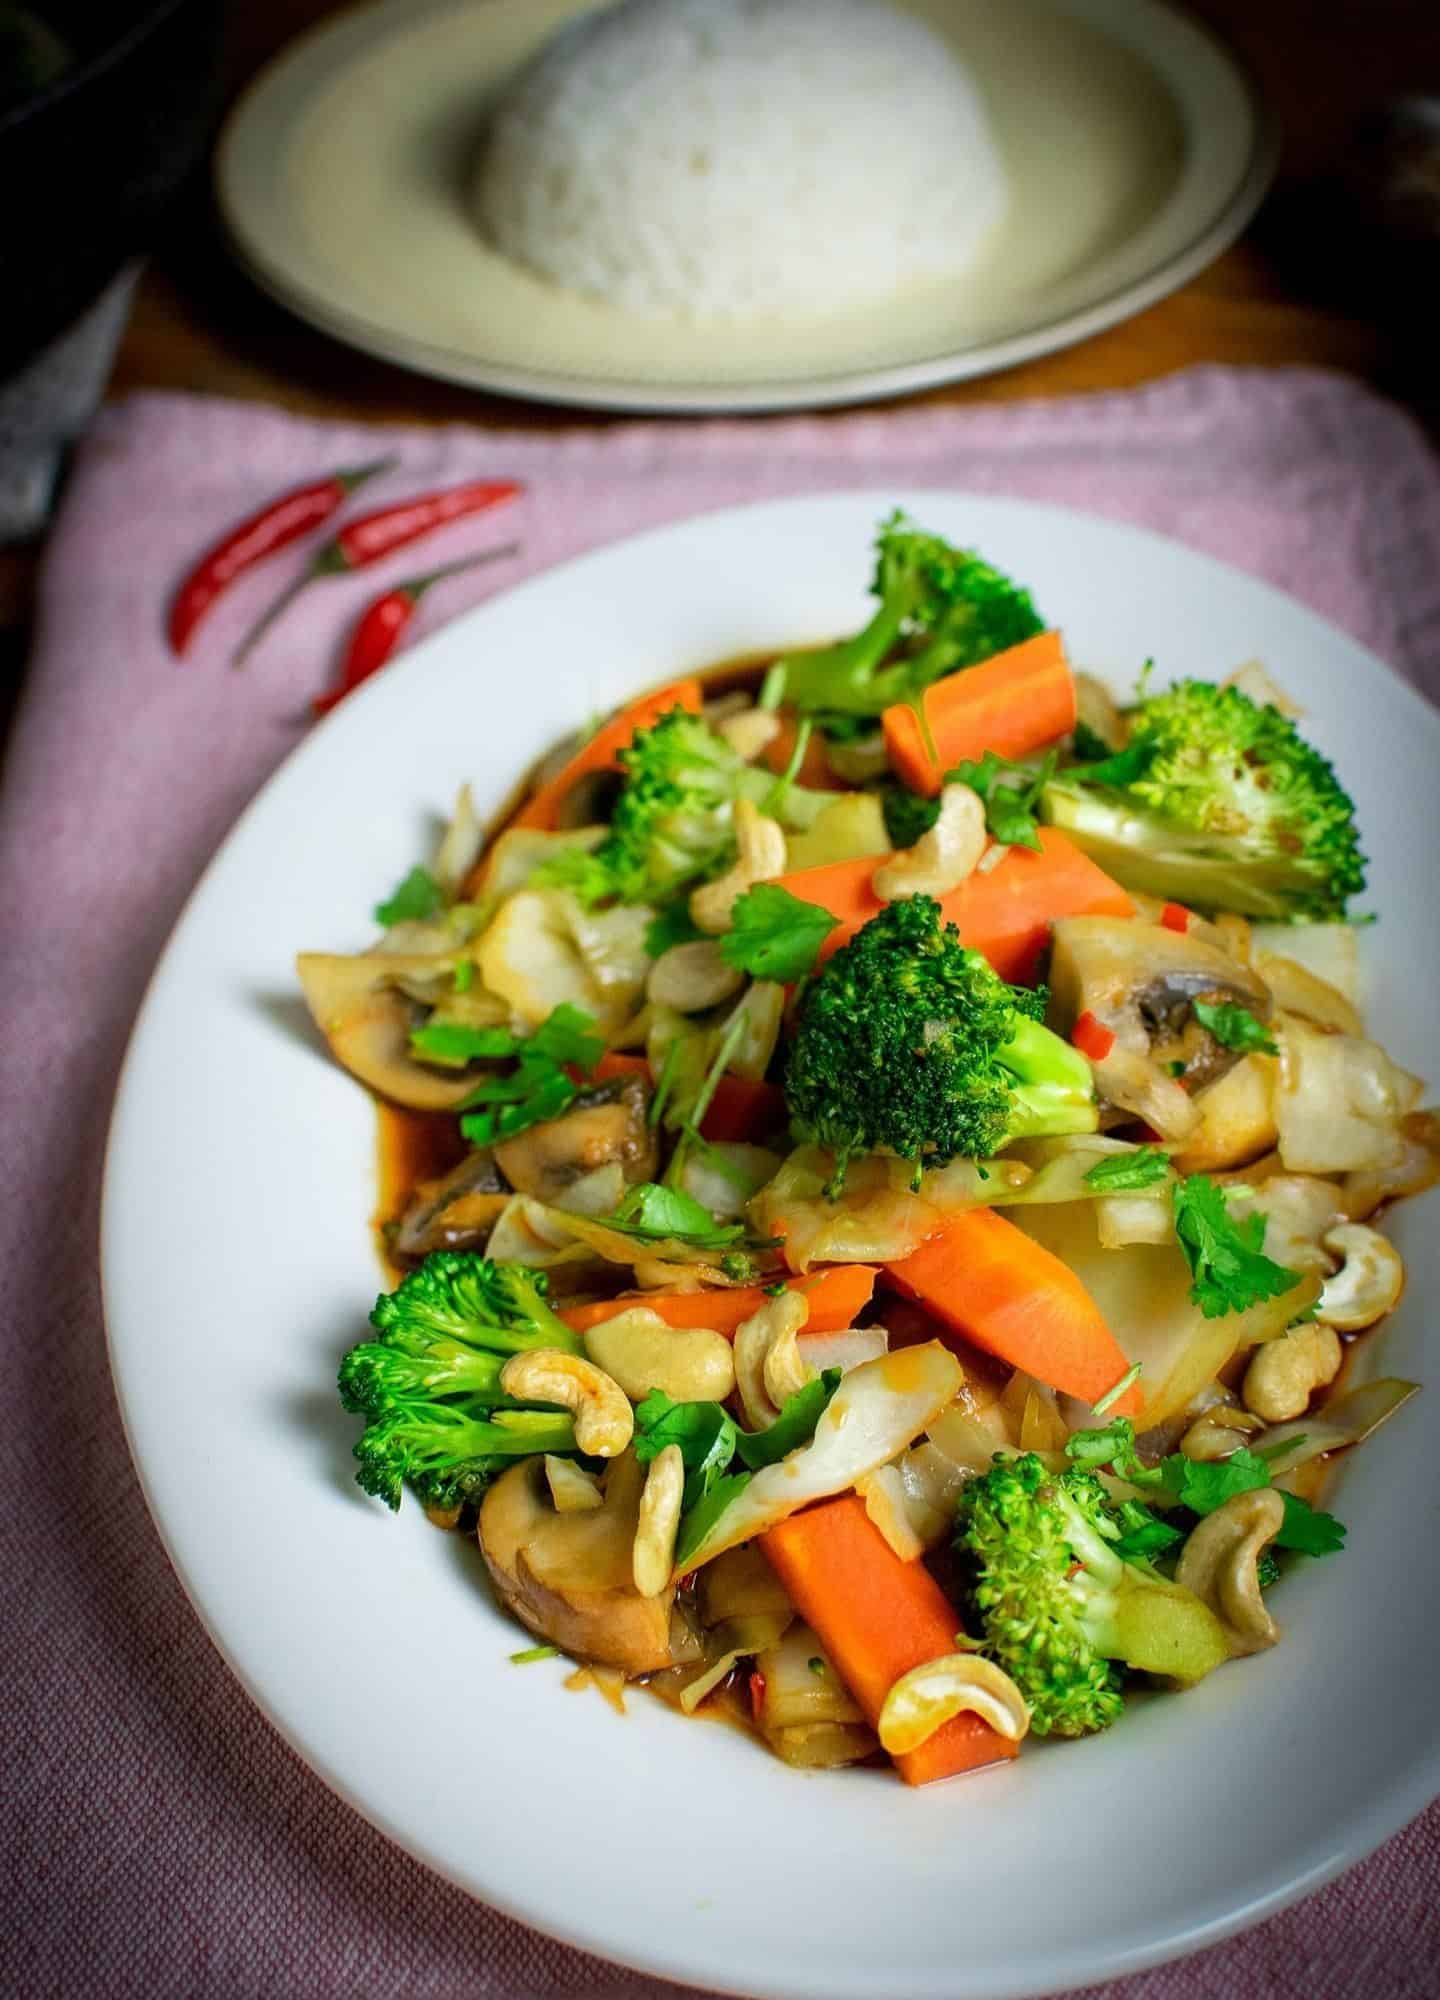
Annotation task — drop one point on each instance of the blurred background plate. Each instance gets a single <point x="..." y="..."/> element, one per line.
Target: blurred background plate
<point x="1137" y="148"/>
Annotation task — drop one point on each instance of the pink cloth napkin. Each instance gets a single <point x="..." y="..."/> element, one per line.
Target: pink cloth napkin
<point x="158" y="1839"/>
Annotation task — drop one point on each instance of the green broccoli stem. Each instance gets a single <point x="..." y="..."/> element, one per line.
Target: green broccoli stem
<point x="1130" y="1613"/>
<point x="1054" y="1091"/>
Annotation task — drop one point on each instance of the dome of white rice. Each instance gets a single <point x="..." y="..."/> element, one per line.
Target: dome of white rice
<point x="728" y="158"/>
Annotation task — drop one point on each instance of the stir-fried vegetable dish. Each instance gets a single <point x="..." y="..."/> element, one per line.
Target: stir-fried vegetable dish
<point x="906" y="1181"/>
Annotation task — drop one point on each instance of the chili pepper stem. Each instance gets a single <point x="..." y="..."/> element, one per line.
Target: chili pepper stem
<point x="267" y="619"/>
<point x="416" y="586"/>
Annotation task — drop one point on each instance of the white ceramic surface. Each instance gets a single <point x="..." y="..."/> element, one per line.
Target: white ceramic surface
<point x="1135" y="147"/>
<point x="233" y="1285"/>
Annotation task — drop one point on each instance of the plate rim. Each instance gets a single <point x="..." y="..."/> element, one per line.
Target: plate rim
<point x="1385" y="1814"/>
<point x="285" y="282"/>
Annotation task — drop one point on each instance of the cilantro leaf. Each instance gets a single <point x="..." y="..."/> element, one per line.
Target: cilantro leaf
<point x="1227" y="1260"/>
<point x="651" y="1212"/>
<point x="538" y="1088"/>
<point x="1121" y="767"/>
<point x="670" y="926"/>
<point x="704" y="1432"/>
<point x="1118" y="1173"/>
<point x="794" y="1426"/>
<point x="775" y="935"/>
<point x="1090" y="745"/>
<point x="419" y="895"/>
<point x="567" y="1035"/>
<point x="1234" y="1027"/>
<point x="1143" y="1535"/>
<point x="701" y="1518"/>
<point x="451" y="1044"/>
<point x="1306" y="1529"/>
<point x="1009" y="809"/>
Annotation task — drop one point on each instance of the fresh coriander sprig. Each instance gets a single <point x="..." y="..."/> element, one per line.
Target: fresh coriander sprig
<point x="1235" y="1027"/>
<point x="418" y="896"/>
<point x="775" y="935"/>
<point x="1226" y="1257"/>
<point x="1122" y="1173"/>
<point x="538" y="1088"/>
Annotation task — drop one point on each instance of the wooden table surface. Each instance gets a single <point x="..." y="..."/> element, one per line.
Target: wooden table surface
<point x="1294" y="289"/>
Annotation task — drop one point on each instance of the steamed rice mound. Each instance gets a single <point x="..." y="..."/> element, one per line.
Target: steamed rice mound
<point x="732" y="158"/>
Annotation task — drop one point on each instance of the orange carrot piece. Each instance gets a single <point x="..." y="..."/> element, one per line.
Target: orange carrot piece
<point x="1017" y="702"/>
<point x="837" y="1295"/>
<point x="1006" y="912"/>
<point x="738" y="1110"/>
<point x="815" y="768"/>
<point x="599" y="754"/>
<point x="996" y="1286"/>
<point x="877" y="1617"/>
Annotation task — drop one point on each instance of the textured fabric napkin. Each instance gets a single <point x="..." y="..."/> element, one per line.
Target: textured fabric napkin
<point x="158" y="1839"/>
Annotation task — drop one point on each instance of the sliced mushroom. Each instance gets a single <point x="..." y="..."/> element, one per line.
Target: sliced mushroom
<point x="366" y="1018"/>
<point x="604" y="1125"/>
<point x="569" y="1577"/>
<point x="454" y="1213"/>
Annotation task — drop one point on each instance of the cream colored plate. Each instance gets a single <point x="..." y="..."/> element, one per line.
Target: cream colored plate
<point x="1136" y="149"/>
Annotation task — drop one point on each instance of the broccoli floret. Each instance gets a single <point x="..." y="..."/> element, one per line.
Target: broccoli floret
<point x="671" y="825"/>
<point x="448" y="1453"/>
<point x="909" y="1043"/>
<point x="1217" y="802"/>
<point x="1058" y="1609"/>
<point x="460" y="1296"/>
<point x="430" y="1385"/>
<point x="940" y="609"/>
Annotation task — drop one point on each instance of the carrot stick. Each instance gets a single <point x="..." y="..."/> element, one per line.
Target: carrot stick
<point x="1013" y="704"/>
<point x="877" y="1617"/>
<point x="837" y="1296"/>
<point x="1006" y="912"/>
<point x="988" y="1281"/>
<point x="599" y="754"/>
<point x="738" y="1110"/>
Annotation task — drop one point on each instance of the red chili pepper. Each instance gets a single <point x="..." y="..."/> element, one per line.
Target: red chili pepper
<point x="757" y="1694"/>
<point x="275" y="526"/>
<point x="1092" y="1037"/>
<point x="371" y="537"/>
<point x="1175" y="917"/>
<point x="382" y="624"/>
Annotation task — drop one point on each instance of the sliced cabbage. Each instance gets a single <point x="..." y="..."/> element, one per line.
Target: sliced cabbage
<point x="1344" y="1420"/>
<point x="1340" y="1102"/>
<point x="1330" y="951"/>
<point x="875" y="1413"/>
<point x="1295" y="989"/>
<point x="1144" y="1297"/>
<point x="1414" y="1167"/>
<point x="849" y="828"/>
<point x="1298" y="1210"/>
<point x="847" y="1350"/>
<point x="519" y="852"/>
<point x="725" y="1174"/>
<point x="459" y="850"/>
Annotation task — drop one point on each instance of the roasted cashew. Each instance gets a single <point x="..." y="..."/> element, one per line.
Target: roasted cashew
<point x="692" y="976"/>
<point x="604" y="1421"/>
<point x="761" y="856"/>
<point x="768" y="1367"/>
<point x="1285" y="1372"/>
<point x="1220" y="1564"/>
<point x="749" y="731"/>
<point x="941" y="859"/>
<point x="573" y="1490"/>
<point x="1369" y="1281"/>
<point x="1218" y="1433"/>
<point x="640" y="1351"/>
<point x="654" y="1550"/>
<point x="926" y="1698"/>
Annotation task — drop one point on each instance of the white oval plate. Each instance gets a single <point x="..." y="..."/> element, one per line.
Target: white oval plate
<point x="232" y="1287"/>
<point x="1136" y="148"/>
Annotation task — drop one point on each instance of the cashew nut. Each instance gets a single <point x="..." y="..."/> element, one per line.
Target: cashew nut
<point x="573" y="1490"/>
<point x="926" y="1698"/>
<point x="654" y="1550"/>
<point x="768" y="1367"/>
<point x="750" y="731"/>
<point x="691" y="976"/>
<point x="1220" y="1564"/>
<point x="941" y="859"/>
<point x="1285" y="1372"/>
<point x="637" y="1349"/>
<point x="1218" y="1433"/>
<point x="604" y="1421"/>
<point x="1369" y="1281"/>
<point x="761" y="856"/>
